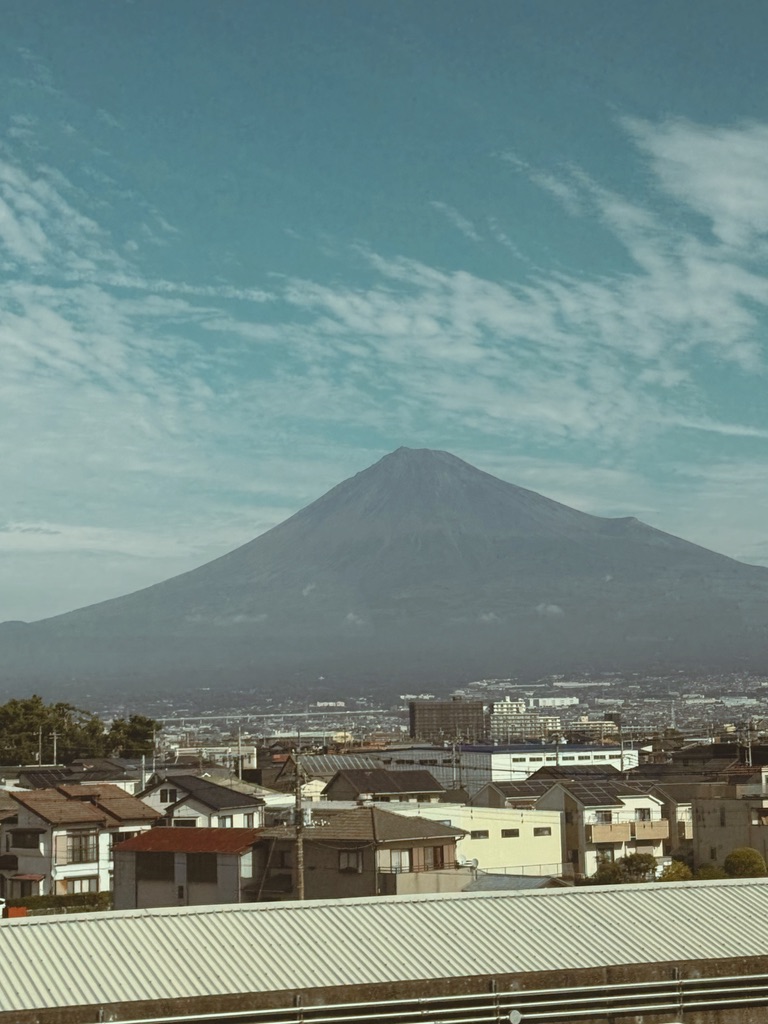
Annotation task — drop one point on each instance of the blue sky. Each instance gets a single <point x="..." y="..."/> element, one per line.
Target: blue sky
<point x="246" y="249"/>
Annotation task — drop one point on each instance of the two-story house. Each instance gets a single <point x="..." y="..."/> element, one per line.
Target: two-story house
<point x="365" y="851"/>
<point x="60" y="841"/>
<point x="184" y="867"/>
<point x="604" y="821"/>
<point x="193" y="801"/>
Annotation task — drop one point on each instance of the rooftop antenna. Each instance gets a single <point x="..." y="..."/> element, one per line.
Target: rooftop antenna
<point x="299" y="823"/>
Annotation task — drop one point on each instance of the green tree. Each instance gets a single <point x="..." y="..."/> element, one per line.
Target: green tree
<point x="676" y="871"/>
<point x="635" y="867"/>
<point x="708" y="871"/>
<point x="30" y="727"/>
<point x="639" y="867"/>
<point x="744" y="862"/>
<point x="610" y="872"/>
<point x="133" y="737"/>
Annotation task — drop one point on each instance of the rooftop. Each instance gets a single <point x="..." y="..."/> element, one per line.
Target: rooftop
<point x="213" y="795"/>
<point x="383" y="781"/>
<point x="511" y="933"/>
<point x="191" y="840"/>
<point x="366" y="824"/>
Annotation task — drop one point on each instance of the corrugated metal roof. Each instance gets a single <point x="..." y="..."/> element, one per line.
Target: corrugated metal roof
<point x="87" y="959"/>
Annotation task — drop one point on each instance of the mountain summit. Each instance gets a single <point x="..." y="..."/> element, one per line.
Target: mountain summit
<point x="420" y="568"/>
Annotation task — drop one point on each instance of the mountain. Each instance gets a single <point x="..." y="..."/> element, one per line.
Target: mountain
<point x="422" y="570"/>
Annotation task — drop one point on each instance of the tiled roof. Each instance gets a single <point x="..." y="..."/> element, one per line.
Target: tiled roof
<point x="53" y="807"/>
<point x="217" y="797"/>
<point x="553" y="771"/>
<point x="115" y="801"/>
<point x="383" y="781"/>
<point x="191" y="840"/>
<point x="367" y="824"/>
<point x="104" y="804"/>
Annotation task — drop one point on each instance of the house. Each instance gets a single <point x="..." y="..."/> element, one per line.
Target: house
<point x="604" y="821"/>
<point x="365" y="851"/>
<point x="184" y="867"/>
<point x="194" y="801"/>
<point x="378" y="784"/>
<point x="60" y="841"/>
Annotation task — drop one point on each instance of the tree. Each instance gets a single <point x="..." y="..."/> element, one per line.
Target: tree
<point x="676" y="871"/>
<point x="134" y="737"/>
<point x="30" y="728"/>
<point x="744" y="862"/>
<point x="610" y="872"/>
<point x="639" y="867"/>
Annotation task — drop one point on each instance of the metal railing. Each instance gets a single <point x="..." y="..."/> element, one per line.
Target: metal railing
<point x="564" y="1005"/>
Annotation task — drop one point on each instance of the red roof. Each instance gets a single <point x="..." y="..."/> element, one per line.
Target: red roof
<point x="191" y="840"/>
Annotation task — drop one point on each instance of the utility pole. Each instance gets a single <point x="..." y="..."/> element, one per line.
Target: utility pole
<point x="40" y="746"/>
<point x="299" y="822"/>
<point x="239" y="752"/>
<point x="55" y="741"/>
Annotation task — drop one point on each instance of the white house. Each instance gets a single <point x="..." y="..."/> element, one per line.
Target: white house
<point x="193" y="801"/>
<point x="61" y="840"/>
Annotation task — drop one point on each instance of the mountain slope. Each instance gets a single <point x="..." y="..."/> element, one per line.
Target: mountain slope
<point x="419" y="567"/>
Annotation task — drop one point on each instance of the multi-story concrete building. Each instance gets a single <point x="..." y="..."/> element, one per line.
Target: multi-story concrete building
<point x="509" y="720"/>
<point x="439" y="721"/>
<point x="508" y="840"/>
<point x="472" y="766"/>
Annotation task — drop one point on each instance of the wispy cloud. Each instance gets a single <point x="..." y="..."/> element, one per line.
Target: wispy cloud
<point x="459" y="221"/>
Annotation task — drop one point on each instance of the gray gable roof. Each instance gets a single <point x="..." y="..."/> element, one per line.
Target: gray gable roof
<point x="218" y="798"/>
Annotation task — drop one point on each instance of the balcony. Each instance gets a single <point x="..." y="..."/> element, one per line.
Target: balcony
<point x="651" y="830"/>
<point x="615" y="832"/>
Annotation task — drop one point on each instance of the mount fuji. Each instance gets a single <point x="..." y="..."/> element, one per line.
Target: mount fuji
<point x="421" y="569"/>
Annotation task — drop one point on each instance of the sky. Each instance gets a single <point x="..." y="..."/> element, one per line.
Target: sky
<point x="247" y="249"/>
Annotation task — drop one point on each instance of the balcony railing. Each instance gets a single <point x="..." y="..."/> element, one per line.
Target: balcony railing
<point x="613" y="832"/>
<point x="658" y="829"/>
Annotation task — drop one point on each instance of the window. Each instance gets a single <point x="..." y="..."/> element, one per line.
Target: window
<point x="154" y="867"/>
<point x="22" y="839"/>
<point x="614" y="757"/>
<point x="722" y="817"/>
<point x="121" y="837"/>
<point x="599" y="757"/>
<point x="225" y="821"/>
<point x="401" y="861"/>
<point x="510" y="833"/>
<point x="642" y="814"/>
<point x="605" y="854"/>
<point x="542" y="830"/>
<point x="603" y="817"/>
<point x="569" y="817"/>
<point x="713" y="853"/>
<point x="284" y="859"/>
<point x="535" y="758"/>
<point x="185" y="822"/>
<point x="584" y="757"/>
<point x="78" y="885"/>
<point x="82" y="847"/>
<point x="518" y="760"/>
<point x="202" y="867"/>
<point x="481" y="833"/>
<point x="567" y="757"/>
<point x="434" y="858"/>
<point x="248" y="821"/>
<point x="168" y="796"/>
<point x="351" y="861"/>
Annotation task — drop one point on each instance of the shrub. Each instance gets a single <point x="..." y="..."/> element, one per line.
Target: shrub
<point x="744" y="862"/>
